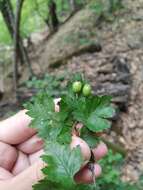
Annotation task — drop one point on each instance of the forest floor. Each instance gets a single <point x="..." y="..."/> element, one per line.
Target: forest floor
<point x="122" y="38"/>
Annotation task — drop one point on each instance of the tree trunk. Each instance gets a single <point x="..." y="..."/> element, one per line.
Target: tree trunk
<point x="1" y="82"/>
<point x="54" y="22"/>
<point x="16" y="42"/>
<point x="73" y="5"/>
<point x="9" y="18"/>
<point x="13" y="24"/>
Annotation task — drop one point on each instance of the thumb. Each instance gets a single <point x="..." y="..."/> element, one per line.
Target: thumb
<point x="29" y="177"/>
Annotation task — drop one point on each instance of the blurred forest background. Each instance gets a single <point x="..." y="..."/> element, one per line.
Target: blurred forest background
<point x="44" y="42"/>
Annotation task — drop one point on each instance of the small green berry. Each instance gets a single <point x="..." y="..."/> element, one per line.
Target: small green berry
<point x="76" y="87"/>
<point x="86" y="90"/>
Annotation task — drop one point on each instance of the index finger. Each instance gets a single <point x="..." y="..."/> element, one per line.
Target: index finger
<point x="15" y="130"/>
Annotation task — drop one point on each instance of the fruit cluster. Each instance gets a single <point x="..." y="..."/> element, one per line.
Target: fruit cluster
<point x="77" y="87"/>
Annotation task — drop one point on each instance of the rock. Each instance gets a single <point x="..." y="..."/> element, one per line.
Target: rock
<point x="73" y="38"/>
<point x="135" y="39"/>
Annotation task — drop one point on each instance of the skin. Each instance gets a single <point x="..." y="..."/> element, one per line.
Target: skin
<point x="20" y="151"/>
<point x="85" y="150"/>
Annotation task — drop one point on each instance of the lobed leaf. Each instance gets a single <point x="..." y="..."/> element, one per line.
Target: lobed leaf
<point x="63" y="163"/>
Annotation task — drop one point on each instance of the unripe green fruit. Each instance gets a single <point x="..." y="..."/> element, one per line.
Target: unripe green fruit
<point x="76" y="87"/>
<point x="86" y="90"/>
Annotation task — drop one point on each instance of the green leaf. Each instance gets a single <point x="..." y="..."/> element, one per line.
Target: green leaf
<point x="84" y="187"/>
<point x="105" y="112"/>
<point x="65" y="135"/>
<point x="48" y="122"/>
<point x="77" y="77"/>
<point x="99" y="111"/>
<point x="89" y="137"/>
<point x="105" y="100"/>
<point x="84" y="107"/>
<point x="93" y="112"/>
<point x="63" y="163"/>
<point x="40" y="110"/>
<point x="45" y="184"/>
<point x="94" y="102"/>
<point x="97" y="124"/>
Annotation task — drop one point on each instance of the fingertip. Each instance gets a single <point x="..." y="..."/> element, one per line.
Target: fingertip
<point x="97" y="170"/>
<point x="21" y="164"/>
<point x="15" y="130"/>
<point x="86" y="176"/>
<point x="8" y="156"/>
<point x="5" y="174"/>
<point x="32" y="145"/>
<point x="100" y="151"/>
<point x="35" y="156"/>
<point x="30" y="176"/>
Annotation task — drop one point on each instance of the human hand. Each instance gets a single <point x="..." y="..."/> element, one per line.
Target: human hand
<point x="20" y="151"/>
